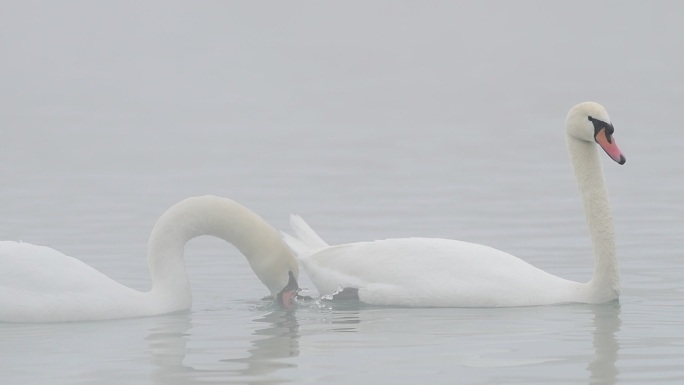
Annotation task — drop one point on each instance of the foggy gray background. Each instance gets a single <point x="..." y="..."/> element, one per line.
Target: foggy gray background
<point x="266" y="90"/>
<point x="372" y="120"/>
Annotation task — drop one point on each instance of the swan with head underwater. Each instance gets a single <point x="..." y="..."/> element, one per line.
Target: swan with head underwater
<point x="423" y="272"/>
<point x="39" y="284"/>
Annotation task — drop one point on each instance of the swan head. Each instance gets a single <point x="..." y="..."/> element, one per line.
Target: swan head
<point x="590" y="122"/>
<point x="286" y="297"/>
<point x="279" y="272"/>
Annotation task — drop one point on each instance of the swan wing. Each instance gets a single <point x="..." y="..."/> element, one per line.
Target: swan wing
<point x="433" y="272"/>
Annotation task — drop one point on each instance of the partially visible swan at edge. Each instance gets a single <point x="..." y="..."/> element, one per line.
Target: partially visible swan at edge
<point x="39" y="284"/>
<point x="450" y="273"/>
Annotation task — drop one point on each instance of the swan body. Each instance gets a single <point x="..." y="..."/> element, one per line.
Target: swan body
<point x="40" y="284"/>
<point x="420" y="272"/>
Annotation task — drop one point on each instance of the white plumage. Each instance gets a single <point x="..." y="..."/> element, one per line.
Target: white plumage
<point x="449" y="273"/>
<point x="40" y="284"/>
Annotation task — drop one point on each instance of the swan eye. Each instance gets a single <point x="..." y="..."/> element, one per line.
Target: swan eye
<point x="600" y="124"/>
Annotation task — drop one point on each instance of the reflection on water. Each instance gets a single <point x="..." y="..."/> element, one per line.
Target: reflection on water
<point x="606" y="346"/>
<point x="281" y="340"/>
<point x="551" y="343"/>
<point x="167" y="343"/>
<point x="558" y="344"/>
<point x="423" y="338"/>
<point x="278" y="339"/>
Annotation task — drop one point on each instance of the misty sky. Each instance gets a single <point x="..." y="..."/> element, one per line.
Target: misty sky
<point x="318" y="64"/>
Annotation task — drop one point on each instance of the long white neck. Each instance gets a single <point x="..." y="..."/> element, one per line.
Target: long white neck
<point x="263" y="246"/>
<point x="605" y="284"/>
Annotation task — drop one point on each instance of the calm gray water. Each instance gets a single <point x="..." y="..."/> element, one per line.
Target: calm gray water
<point x="371" y="120"/>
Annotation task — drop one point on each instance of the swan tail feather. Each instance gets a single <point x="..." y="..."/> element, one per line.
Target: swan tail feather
<point x="305" y="241"/>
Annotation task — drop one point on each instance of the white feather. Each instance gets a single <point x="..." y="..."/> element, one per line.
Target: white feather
<point x="450" y="273"/>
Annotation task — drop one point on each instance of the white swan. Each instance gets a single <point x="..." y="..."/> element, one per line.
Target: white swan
<point x="39" y="284"/>
<point x="449" y="273"/>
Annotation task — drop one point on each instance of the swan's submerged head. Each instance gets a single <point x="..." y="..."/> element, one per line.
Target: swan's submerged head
<point x="276" y="267"/>
<point x="590" y="122"/>
<point x="278" y="270"/>
<point x="286" y="297"/>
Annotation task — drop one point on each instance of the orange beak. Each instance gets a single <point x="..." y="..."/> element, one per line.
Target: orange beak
<point x="607" y="143"/>
<point x="287" y="298"/>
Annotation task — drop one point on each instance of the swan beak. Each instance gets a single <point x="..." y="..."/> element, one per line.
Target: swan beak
<point x="607" y="143"/>
<point x="286" y="297"/>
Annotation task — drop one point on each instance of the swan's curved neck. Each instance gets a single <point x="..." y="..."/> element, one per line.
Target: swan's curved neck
<point x="262" y="244"/>
<point x="587" y="166"/>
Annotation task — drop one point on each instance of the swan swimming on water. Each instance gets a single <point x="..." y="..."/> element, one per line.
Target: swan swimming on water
<point x="448" y="273"/>
<point x="40" y="284"/>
